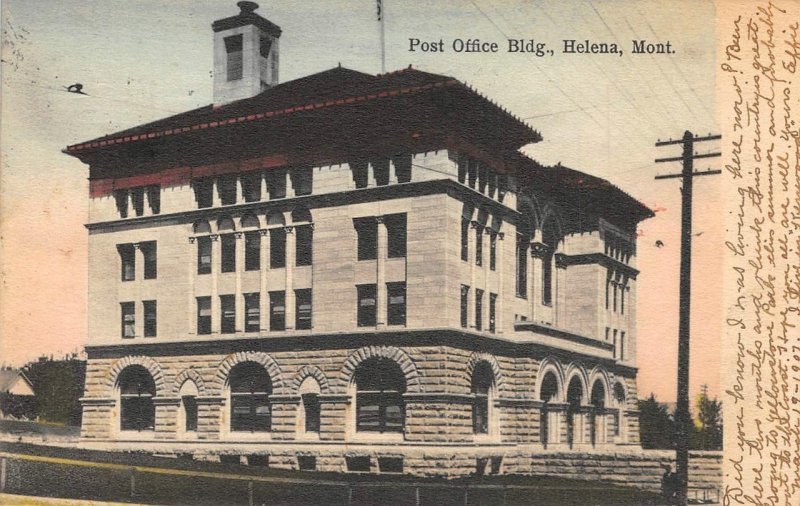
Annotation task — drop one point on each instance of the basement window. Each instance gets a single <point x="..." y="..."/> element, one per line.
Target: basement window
<point x="357" y="464"/>
<point x="393" y="465"/>
<point x="306" y="463"/>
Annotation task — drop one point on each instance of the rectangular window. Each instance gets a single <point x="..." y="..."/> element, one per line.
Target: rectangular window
<point x="304" y="244"/>
<point x="462" y="169"/>
<point x="464" y="239"/>
<point x="360" y="174"/>
<point x="228" y="252"/>
<point x="622" y="345"/>
<point x="252" y="312"/>
<point x="396" y="235"/>
<point x="277" y="248"/>
<point x="492" y="251"/>
<point x="311" y="411"/>
<point x="402" y="168"/>
<point x="150" y="318"/>
<point x="367" y="232"/>
<point x="478" y="245"/>
<point x="472" y="172"/>
<point x="204" y="255"/>
<point x="616" y="345"/>
<point x="128" y="319"/>
<point x="149" y="253"/>
<point x="492" y="311"/>
<point x="302" y="309"/>
<point x="154" y="198"/>
<point x="367" y="310"/>
<point x="203" y="192"/>
<point x="478" y="309"/>
<point x="251" y="187"/>
<point x="277" y="310"/>
<point x="252" y="251"/>
<point x="302" y="180"/>
<point x="226" y="189"/>
<point x="380" y="169"/>
<point x="276" y="183"/>
<point x="616" y="291"/>
<point x="190" y="412"/>
<point x="227" y="307"/>
<point x="464" y="305"/>
<point x="622" y="290"/>
<point x="121" y="200"/>
<point x="547" y="279"/>
<point x="483" y="177"/>
<point x="522" y="267"/>
<point x="137" y="200"/>
<point x="233" y="49"/>
<point x="396" y="303"/>
<point x="127" y="257"/>
<point x="203" y="315"/>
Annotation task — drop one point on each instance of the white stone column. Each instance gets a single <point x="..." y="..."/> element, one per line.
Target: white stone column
<point x="289" y="184"/>
<point x="263" y="301"/>
<point x="263" y="182"/>
<point x="239" y="298"/>
<point x="239" y="191"/>
<point x="216" y="267"/>
<point x="191" y="277"/>
<point x="290" y="261"/>
<point x="380" y="289"/>
<point x="371" y="180"/>
<point x="471" y="316"/>
<point x="216" y="201"/>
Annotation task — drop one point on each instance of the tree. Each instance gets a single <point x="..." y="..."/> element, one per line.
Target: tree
<point x="58" y="385"/>
<point x="656" y="426"/>
<point x="708" y="430"/>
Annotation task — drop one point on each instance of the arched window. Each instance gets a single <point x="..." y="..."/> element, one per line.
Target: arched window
<point x="380" y="385"/>
<point x="250" y="388"/>
<point x="547" y="394"/>
<point x="619" y="397"/>
<point x="482" y="382"/>
<point x="549" y="239"/>
<point x="188" y="408"/>
<point x="136" y="391"/>
<point x="309" y="411"/>
<point x="598" y="400"/>
<point x="201" y="227"/>
<point x="574" y="398"/>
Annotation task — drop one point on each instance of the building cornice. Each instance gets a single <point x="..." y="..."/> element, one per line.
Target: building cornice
<point x="563" y="260"/>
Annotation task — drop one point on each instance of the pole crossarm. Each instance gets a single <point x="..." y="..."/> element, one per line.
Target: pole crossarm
<point x="694" y="139"/>
<point x="680" y="158"/>
<point x="695" y="173"/>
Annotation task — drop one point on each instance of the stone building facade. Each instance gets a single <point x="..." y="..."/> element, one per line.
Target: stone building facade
<point x="350" y="272"/>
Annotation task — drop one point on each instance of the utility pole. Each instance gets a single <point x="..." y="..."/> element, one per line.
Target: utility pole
<point x="682" y="411"/>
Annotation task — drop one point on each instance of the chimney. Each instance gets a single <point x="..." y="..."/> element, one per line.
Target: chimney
<point x="245" y="55"/>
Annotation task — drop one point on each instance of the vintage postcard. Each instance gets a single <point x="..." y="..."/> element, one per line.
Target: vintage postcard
<point x="385" y="252"/>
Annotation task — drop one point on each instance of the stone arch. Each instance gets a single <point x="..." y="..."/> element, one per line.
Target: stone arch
<point x="577" y="370"/>
<point x="148" y="363"/>
<point x="201" y="227"/>
<point x="250" y="220"/>
<point x="186" y="375"/>
<point x="475" y="359"/>
<point x="550" y="364"/>
<point x="314" y="372"/>
<point x="531" y="210"/>
<point x="390" y="352"/>
<point x="274" y="372"/>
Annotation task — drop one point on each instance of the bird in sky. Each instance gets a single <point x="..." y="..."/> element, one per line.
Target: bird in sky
<point x="76" y="88"/>
<point x="659" y="243"/>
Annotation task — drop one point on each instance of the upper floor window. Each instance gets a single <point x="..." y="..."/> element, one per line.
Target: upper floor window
<point x="121" y="200"/>
<point x="478" y="244"/>
<point x="226" y="188"/>
<point x="302" y="180"/>
<point x="492" y="251"/>
<point x="276" y="183"/>
<point x="137" y="200"/>
<point x="252" y="250"/>
<point x="203" y="315"/>
<point x="277" y="310"/>
<point x="302" y="309"/>
<point x="127" y="257"/>
<point x="204" y="192"/>
<point x="252" y="312"/>
<point x="463" y="161"/>
<point x="549" y="240"/>
<point x="128" y="319"/>
<point x="380" y="169"/>
<point x="251" y="186"/>
<point x="396" y="303"/>
<point x="228" y="252"/>
<point x="233" y="50"/>
<point x="304" y="244"/>
<point x="396" y="234"/>
<point x="360" y="173"/>
<point x="492" y="311"/>
<point x="367" y="310"/>
<point x="154" y="198"/>
<point x="464" y="239"/>
<point x="478" y="309"/>
<point x="464" y="305"/>
<point x="367" y="232"/>
<point x="227" y="306"/>
<point x="150" y="318"/>
<point x="522" y="266"/>
<point x="277" y="248"/>
<point x="402" y="167"/>
<point x="204" y="255"/>
<point x="149" y="253"/>
<point x="472" y="173"/>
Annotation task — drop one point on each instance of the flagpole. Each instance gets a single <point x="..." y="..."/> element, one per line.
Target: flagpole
<point x="382" y="15"/>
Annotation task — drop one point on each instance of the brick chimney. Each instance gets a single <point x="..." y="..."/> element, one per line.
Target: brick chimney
<point x="245" y="55"/>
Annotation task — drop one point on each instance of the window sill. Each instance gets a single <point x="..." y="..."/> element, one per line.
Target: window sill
<point x="247" y="436"/>
<point x="137" y="435"/>
<point x="377" y="437"/>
